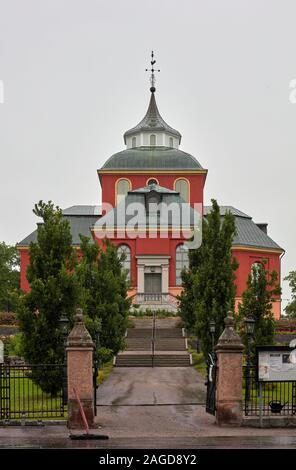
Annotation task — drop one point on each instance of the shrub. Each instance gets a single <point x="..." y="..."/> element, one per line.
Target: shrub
<point x="15" y="345"/>
<point x="8" y="318"/>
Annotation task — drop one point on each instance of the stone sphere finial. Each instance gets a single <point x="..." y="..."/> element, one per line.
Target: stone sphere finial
<point x="229" y="339"/>
<point x="78" y="316"/>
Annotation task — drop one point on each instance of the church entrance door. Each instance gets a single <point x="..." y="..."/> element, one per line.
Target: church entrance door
<point x="153" y="285"/>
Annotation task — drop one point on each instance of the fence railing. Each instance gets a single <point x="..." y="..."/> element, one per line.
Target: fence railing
<point x="153" y="297"/>
<point x="32" y="391"/>
<point x="274" y="398"/>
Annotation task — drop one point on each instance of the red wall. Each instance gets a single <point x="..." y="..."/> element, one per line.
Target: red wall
<point x="25" y="261"/>
<point x="246" y="258"/>
<point x="146" y="246"/>
<point x="108" y="184"/>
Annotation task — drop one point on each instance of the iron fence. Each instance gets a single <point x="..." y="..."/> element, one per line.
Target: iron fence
<point x="211" y="384"/>
<point x="271" y="398"/>
<point x="32" y="391"/>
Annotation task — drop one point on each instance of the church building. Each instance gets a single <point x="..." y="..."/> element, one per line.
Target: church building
<point x="152" y="170"/>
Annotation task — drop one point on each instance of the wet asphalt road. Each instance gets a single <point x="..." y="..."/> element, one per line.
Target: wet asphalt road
<point x="152" y="408"/>
<point x="55" y="437"/>
<point x="152" y="386"/>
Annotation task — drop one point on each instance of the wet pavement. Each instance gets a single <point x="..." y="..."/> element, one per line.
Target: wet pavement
<point x="151" y="408"/>
<point x="56" y="437"/>
<point x="152" y="386"/>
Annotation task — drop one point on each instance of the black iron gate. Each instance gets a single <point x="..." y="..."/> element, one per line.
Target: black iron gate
<point x="268" y="398"/>
<point x="32" y="392"/>
<point x="211" y="385"/>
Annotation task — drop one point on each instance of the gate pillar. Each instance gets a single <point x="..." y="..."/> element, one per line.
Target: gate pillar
<point x="229" y="350"/>
<point x="80" y="373"/>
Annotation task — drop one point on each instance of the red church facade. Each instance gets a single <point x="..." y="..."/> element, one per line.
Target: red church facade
<point x="153" y="170"/>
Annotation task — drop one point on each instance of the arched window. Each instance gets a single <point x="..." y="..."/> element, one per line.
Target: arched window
<point x="182" y="261"/>
<point x="152" y="140"/>
<point x="152" y="182"/>
<point x="124" y="254"/>
<point x="255" y="270"/>
<point x="122" y="188"/>
<point x="134" y="142"/>
<point x="171" y="142"/>
<point x="182" y="187"/>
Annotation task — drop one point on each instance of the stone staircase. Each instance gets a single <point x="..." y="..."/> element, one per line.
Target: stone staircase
<point x="170" y="345"/>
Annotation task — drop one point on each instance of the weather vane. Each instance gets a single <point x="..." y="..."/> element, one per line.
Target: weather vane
<point x="152" y="70"/>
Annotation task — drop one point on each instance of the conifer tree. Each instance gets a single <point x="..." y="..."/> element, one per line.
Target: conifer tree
<point x="9" y="276"/>
<point x="209" y="288"/>
<point x="104" y="286"/>
<point x="53" y="292"/>
<point x="262" y="287"/>
<point x="291" y="307"/>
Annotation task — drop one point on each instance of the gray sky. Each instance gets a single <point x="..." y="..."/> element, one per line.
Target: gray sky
<point x="74" y="81"/>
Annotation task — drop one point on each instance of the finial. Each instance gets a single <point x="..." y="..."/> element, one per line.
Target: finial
<point x="78" y="316"/>
<point x="152" y="70"/>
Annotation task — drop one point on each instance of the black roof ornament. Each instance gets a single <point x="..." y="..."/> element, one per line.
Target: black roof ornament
<point x="152" y="70"/>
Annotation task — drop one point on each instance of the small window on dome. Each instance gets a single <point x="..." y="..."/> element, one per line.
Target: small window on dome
<point x="134" y="142"/>
<point x="152" y="140"/>
<point x="171" y="142"/>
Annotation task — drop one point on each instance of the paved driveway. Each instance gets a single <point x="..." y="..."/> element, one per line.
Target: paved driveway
<point x="152" y="386"/>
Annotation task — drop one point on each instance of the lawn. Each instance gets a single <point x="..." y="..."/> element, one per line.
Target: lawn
<point x="104" y="371"/>
<point x="25" y="399"/>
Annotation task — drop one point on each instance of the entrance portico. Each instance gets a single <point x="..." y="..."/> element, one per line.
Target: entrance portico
<point x="153" y="278"/>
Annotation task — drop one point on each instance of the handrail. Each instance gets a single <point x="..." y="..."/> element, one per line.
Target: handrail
<point x="153" y="337"/>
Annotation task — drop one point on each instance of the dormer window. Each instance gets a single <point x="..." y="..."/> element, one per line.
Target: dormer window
<point x="134" y="142"/>
<point x="171" y="142"/>
<point x="152" y="200"/>
<point x="152" y="140"/>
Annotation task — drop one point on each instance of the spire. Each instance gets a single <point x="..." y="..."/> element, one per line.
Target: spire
<point x="152" y="70"/>
<point x="152" y="121"/>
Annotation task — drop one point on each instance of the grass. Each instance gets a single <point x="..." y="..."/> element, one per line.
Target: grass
<point x="281" y="391"/>
<point x="29" y="401"/>
<point x="26" y="396"/>
<point x="160" y="313"/>
<point x="198" y="362"/>
<point x="104" y="371"/>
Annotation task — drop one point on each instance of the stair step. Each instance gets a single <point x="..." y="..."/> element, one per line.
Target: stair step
<point x="139" y="333"/>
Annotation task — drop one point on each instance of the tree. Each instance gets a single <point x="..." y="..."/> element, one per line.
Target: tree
<point x="9" y="276"/>
<point x="53" y="292"/>
<point x="209" y="289"/>
<point x="104" y="286"/>
<point x="291" y="307"/>
<point x="262" y="287"/>
<point x="187" y="300"/>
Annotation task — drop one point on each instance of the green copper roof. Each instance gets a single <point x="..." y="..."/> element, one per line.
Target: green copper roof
<point x="82" y="218"/>
<point x="152" y="158"/>
<point x="152" y="121"/>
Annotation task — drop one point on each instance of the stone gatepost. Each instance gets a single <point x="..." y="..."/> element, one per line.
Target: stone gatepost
<point x="229" y="350"/>
<point x="80" y="373"/>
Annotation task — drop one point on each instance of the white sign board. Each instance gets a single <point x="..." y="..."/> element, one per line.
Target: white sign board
<point x="277" y="364"/>
<point x="1" y="352"/>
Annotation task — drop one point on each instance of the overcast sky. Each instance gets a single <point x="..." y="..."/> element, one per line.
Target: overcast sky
<point x="74" y="81"/>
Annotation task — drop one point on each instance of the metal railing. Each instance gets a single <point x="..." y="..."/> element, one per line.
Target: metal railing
<point x="267" y="398"/>
<point x="152" y="297"/>
<point x="32" y="391"/>
<point x="153" y="337"/>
